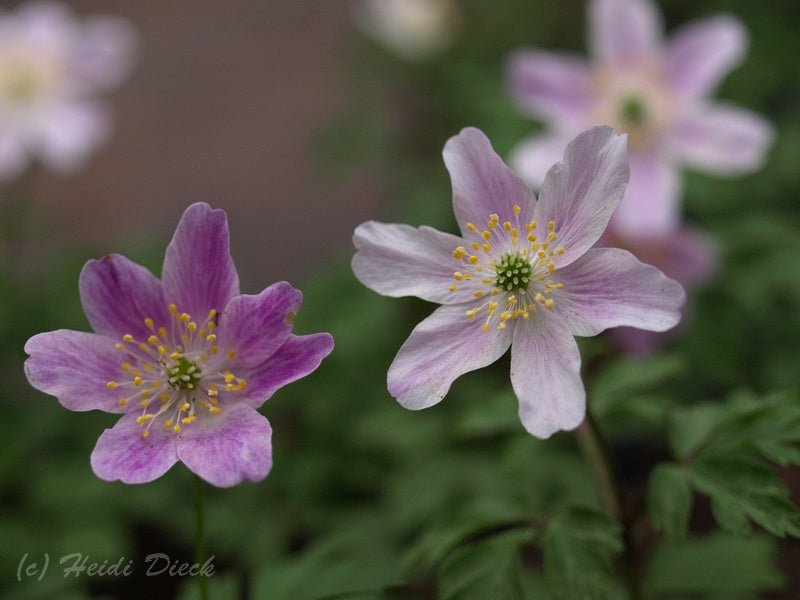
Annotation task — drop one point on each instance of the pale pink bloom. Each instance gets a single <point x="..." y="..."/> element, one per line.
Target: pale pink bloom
<point x="654" y="90"/>
<point x="414" y="29"/>
<point x="52" y="66"/>
<point x="522" y="275"/>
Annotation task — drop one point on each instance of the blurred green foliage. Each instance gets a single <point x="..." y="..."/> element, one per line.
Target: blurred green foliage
<point x="367" y="500"/>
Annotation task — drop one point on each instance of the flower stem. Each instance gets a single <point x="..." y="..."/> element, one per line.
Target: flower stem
<point x="200" y="539"/>
<point x="595" y="450"/>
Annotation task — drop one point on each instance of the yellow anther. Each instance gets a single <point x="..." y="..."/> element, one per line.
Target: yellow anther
<point x="551" y="225"/>
<point x="192" y="326"/>
<point x="165" y="397"/>
<point x="467" y="276"/>
<point x="487" y="235"/>
<point x="552" y="236"/>
<point x="127" y="338"/>
<point x="214" y="350"/>
<point x="185" y="318"/>
<point x="212" y="313"/>
<point x="472" y="312"/>
<point x="144" y="403"/>
<point x="212" y="392"/>
<point x="229" y="377"/>
<point x="146" y="394"/>
<point x="167" y="423"/>
<point x="453" y="287"/>
<point x="526" y="315"/>
<point x="231" y="354"/>
<point x="560" y="250"/>
<point x="148" y="322"/>
<point x="162" y="331"/>
<point x="119" y="346"/>
<point x="172" y="309"/>
<point x="494" y="217"/>
<point x="144" y="419"/>
<point x="531" y="226"/>
<point x="177" y="428"/>
<point x="146" y="433"/>
<point x="559" y="286"/>
<point x="459" y="252"/>
<point x="475" y="246"/>
<point x="473" y="259"/>
<point x="478" y="294"/>
<point x="185" y="406"/>
<point x="507" y="225"/>
<point x="531" y="237"/>
<point x="517" y="209"/>
<point x="458" y="276"/>
<point x="122" y="401"/>
<point x="214" y="410"/>
<point x="152" y="340"/>
<point x="111" y="385"/>
<point x="501" y="326"/>
<point x="211" y="337"/>
<point x="549" y="303"/>
<point x="486" y="328"/>
<point x="212" y="326"/>
<point x="491" y="224"/>
<point x="161" y="350"/>
<point x="545" y="245"/>
<point x="471" y="227"/>
<point x="137" y="381"/>
<point x="486" y="248"/>
<point x="143" y="347"/>
<point x="126" y="366"/>
<point x="539" y="298"/>
<point x="175" y="355"/>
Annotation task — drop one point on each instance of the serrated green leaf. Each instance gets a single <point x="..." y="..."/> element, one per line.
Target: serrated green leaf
<point x="486" y="569"/>
<point x="719" y="564"/>
<point x="669" y="500"/>
<point x="742" y="486"/>
<point x="578" y="546"/>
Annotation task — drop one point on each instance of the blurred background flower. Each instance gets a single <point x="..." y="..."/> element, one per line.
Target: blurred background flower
<point x="52" y="65"/>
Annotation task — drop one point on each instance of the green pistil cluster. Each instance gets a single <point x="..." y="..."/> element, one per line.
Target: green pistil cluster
<point x="183" y="374"/>
<point x="632" y="111"/>
<point x="513" y="272"/>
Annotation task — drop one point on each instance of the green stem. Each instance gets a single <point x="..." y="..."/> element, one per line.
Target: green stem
<point x="200" y="539"/>
<point x="595" y="450"/>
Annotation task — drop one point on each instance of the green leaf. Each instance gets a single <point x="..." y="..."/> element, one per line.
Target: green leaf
<point x="740" y="487"/>
<point x="487" y="569"/>
<point x="578" y="546"/>
<point x="720" y="565"/>
<point x="669" y="500"/>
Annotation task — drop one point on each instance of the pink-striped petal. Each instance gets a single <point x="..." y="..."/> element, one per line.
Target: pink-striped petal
<point x="545" y="374"/>
<point x="482" y="183"/>
<point x="608" y="287"/>
<point x="400" y="260"/>
<point x="580" y="194"/>
<point x="439" y="350"/>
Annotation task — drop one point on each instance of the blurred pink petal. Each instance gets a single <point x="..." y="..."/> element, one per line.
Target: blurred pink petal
<point x="722" y="139"/>
<point x="652" y="200"/>
<point x="105" y="52"/>
<point x="533" y="157"/>
<point x="556" y="86"/>
<point x="701" y="53"/>
<point x="69" y="132"/>
<point x="623" y="31"/>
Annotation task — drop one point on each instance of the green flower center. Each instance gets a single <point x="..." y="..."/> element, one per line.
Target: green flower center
<point x="183" y="374"/>
<point x="513" y="272"/>
<point x="632" y="111"/>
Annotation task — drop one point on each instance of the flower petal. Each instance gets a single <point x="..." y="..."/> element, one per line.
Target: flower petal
<point x="440" y="349"/>
<point x="651" y="206"/>
<point x="117" y="295"/>
<point x="199" y="274"/>
<point x="534" y="156"/>
<point x="545" y="374"/>
<point x="623" y="31"/>
<point x="75" y="367"/>
<point x="104" y="52"/>
<point x="123" y="453"/>
<point x="700" y="54"/>
<point x="296" y="358"/>
<point x="609" y="287"/>
<point x="482" y="183"/>
<point x="225" y="450"/>
<point x="256" y="326"/>
<point x="582" y="192"/>
<point x="722" y="139"/>
<point x="400" y="260"/>
<point x="13" y="156"/>
<point x="68" y="132"/>
<point x="550" y="86"/>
